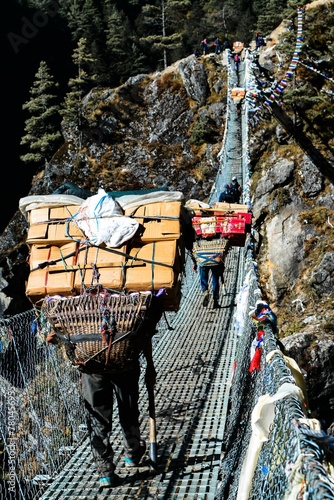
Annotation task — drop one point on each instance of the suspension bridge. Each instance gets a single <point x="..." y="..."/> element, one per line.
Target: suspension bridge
<point x="226" y="429"/>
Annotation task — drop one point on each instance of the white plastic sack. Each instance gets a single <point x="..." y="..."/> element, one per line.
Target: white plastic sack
<point x="136" y="200"/>
<point x="29" y="203"/>
<point x="113" y="231"/>
<point x="196" y="204"/>
<point x="101" y="219"/>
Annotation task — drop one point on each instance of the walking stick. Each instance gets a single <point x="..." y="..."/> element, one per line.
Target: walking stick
<point x="153" y="434"/>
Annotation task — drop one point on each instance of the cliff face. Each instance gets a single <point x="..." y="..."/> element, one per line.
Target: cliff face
<point x="294" y="208"/>
<point x="167" y="129"/>
<point x="164" y="129"/>
<point x="293" y="205"/>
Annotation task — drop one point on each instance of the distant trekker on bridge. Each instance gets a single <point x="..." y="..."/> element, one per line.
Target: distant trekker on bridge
<point x="217" y="45"/>
<point x="259" y="41"/>
<point x="236" y="62"/>
<point x="204" y="46"/>
<point x="226" y="196"/>
<point x="231" y="192"/>
<point x="237" y="190"/>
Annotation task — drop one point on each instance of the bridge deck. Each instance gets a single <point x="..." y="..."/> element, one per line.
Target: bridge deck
<point x="194" y="364"/>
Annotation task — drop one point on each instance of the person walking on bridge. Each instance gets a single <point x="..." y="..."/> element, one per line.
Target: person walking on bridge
<point x="237" y="190"/>
<point x="99" y="388"/>
<point x="217" y="45"/>
<point x="231" y="192"/>
<point x="204" y="46"/>
<point x="236" y="62"/>
<point x="100" y="385"/>
<point x="213" y="263"/>
<point x="217" y="271"/>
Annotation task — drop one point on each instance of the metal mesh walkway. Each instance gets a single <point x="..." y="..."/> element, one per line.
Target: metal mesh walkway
<point x="193" y="352"/>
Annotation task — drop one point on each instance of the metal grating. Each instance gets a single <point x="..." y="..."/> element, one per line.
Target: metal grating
<point x="194" y="365"/>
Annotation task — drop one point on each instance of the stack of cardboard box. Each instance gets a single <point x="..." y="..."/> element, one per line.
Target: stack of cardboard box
<point x="63" y="262"/>
<point x="53" y="239"/>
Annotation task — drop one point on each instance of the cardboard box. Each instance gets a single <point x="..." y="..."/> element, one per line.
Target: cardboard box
<point x="44" y="282"/>
<point x="160" y="221"/>
<point x="54" y="233"/>
<point x="53" y="225"/>
<point x="230" y="225"/>
<point x="238" y="46"/>
<point x="62" y="257"/>
<point x="235" y="210"/>
<point x="204" y="226"/>
<point x="101" y="256"/>
<point x="109" y="277"/>
<point x="246" y="216"/>
<point x="238" y="93"/>
<point x="230" y="207"/>
<point x="47" y="214"/>
<point x="151" y="275"/>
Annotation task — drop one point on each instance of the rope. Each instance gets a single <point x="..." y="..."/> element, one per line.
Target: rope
<point x="316" y="71"/>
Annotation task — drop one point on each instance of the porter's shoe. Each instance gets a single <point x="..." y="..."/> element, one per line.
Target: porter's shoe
<point x="205" y="298"/>
<point x="216" y="304"/>
<point x="110" y="481"/>
<point x="134" y="461"/>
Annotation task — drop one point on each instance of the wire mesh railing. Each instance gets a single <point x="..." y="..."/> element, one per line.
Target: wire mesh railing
<point x="41" y="418"/>
<point x="271" y="449"/>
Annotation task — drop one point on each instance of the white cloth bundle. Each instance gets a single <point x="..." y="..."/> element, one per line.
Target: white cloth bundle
<point x="102" y="220"/>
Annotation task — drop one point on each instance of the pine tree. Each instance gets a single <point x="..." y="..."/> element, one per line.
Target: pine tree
<point x="164" y="24"/>
<point x="42" y="134"/>
<point x="86" y="18"/>
<point x="72" y="106"/>
<point x="270" y="16"/>
<point x="119" y="43"/>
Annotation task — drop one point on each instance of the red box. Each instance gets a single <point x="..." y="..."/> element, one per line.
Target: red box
<point x="205" y="226"/>
<point x="235" y="225"/>
<point x="234" y="210"/>
<point x="223" y="225"/>
<point x="245" y="215"/>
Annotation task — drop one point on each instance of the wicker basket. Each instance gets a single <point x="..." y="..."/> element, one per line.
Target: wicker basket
<point x="210" y="252"/>
<point x="100" y="332"/>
